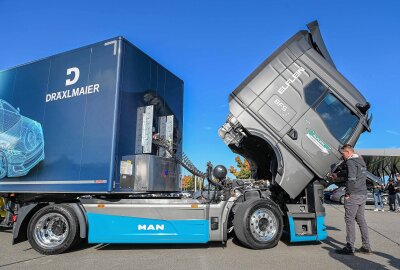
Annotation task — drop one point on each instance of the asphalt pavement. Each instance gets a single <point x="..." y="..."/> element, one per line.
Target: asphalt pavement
<point x="384" y="234"/>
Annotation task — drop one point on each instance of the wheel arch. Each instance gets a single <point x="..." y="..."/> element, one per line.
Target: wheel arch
<point x="26" y="212"/>
<point x="24" y="215"/>
<point x="268" y="200"/>
<point x="272" y="143"/>
<point x="269" y="143"/>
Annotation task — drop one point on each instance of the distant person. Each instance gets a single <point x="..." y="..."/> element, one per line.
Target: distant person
<point x="391" y="188"/>
<point x="355" y="199"/>
<point x="377" y="191"/>
<point x="397" y="202"/>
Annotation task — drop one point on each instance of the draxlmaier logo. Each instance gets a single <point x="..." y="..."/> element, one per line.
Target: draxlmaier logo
<point x="76" y="73"/>
<point x="72" y="78"/>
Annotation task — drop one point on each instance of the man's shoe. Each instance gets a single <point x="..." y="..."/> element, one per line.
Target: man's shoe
<point x="345" y="251"/>
<point x="376" y="210"/>
<point x="383" y="210"/>
<point x="365" y="250"/>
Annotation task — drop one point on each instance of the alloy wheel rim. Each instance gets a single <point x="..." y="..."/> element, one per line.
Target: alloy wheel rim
<point x="263" y="225"/>
<point x="51" y="230"/>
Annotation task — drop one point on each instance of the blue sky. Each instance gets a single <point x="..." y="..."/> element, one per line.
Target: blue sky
<point x="214" y="45"/>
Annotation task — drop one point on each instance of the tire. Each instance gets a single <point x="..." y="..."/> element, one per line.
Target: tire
<point x="342" y="200"/>
<point x="53" y="229"/>
<point x="248" y="218"/>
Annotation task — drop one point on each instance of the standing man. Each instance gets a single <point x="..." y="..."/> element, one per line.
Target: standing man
<point x="377" y="192"/>
<point x="397" y="206"/>
<point x="355" y="199"/>
<point x="391" y="187"/>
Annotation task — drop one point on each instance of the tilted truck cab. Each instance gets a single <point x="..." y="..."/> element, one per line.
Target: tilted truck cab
<point x="290" y="116"/>
<point x="113" y="177"/>
<point x="299" y="109"/>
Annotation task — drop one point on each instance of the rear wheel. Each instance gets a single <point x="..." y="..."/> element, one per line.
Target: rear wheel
<point x="258" y="224"/>
<point x="53" y="229"/>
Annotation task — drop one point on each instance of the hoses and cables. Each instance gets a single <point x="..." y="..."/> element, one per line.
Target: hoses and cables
<point x="184" y="161"/>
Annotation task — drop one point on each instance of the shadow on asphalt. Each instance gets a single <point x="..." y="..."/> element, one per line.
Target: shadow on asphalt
<point x="22" y="261"/>
<point x="393" y="261"/>
<point x="106" y="247"/>
<point x="331" y="228"/>
<point x="356" y="262"/>
<point x="157" y="246"/>
<point x="286" y="239"/>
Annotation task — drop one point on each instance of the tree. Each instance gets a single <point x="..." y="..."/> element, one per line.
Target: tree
<point x="244" y="169"/>
<point x="188" y="182"/>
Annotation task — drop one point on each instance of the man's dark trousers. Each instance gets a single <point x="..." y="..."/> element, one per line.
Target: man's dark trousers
<point x="354" y="211"/>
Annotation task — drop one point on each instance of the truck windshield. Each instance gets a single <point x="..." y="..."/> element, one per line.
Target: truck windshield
<point x="339" y="119"/>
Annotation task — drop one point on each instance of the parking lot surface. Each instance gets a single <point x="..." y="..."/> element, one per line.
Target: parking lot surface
<point x="384" y="235"/>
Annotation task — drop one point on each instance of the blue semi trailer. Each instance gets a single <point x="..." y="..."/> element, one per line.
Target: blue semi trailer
<point x="91" y="148"/>
<point x="67" y="120"/>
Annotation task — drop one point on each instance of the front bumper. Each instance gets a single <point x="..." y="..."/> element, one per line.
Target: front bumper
<point x="20" y="164"/>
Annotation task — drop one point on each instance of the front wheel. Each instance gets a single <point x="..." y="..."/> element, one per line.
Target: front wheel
<point x="258" y="224"/>
<point x="53" y="229"/>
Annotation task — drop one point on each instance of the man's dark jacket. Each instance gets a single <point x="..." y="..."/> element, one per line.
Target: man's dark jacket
<point x="356" y="182"/>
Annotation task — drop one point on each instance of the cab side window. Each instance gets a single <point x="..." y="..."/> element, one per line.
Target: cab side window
<point x="313" y="91"/>
<point x="338" y="118"/>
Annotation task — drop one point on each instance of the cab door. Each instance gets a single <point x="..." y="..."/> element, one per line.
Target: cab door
<point x="323" y="129"/>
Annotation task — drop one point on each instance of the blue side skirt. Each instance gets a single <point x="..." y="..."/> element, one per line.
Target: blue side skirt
<point x="120" y="229"/>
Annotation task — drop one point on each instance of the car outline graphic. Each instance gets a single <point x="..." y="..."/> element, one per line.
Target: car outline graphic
<point x="21" y="142"/>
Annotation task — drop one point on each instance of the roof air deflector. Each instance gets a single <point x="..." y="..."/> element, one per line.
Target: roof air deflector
<point x="317" y="39"/>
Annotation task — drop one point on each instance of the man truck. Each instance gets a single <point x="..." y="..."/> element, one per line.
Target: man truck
<point x="91" y="148"/>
